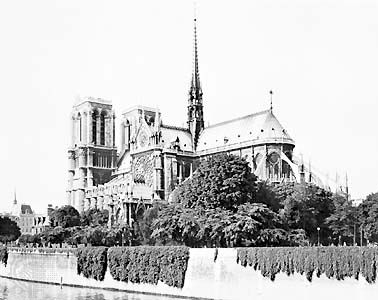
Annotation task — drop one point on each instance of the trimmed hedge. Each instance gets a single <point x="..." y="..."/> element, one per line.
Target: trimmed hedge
<point x="149" y="264"/>
<point x="92" y="262"/>
<point x="3" y="255"/>
<point x="334" y="262"/>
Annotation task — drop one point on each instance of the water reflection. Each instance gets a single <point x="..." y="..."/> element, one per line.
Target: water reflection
<point x="21" y="290"/>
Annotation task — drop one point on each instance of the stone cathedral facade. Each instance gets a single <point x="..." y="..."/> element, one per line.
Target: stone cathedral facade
<point x="154" y="157"/>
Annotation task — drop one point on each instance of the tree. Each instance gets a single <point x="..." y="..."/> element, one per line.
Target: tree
<point x="368" y="215"/>
<point x="221" y="206"/>
<point x="175" y="225"/>
<point x="307" y="208"/>
<point x="66" y="216"/>
<point x="253" y="224"/>
<point x="9" y="230"/>
<point x="298" y="237"/>
<point x="94" y="217"/>
<point x="273" y="195"/>
<point x="342" y="220"/>
<point x="75" y="235"/>
<point x="26" y="239"/>
<point x="143" y="225"/>
<point x="55" y="235"/>
<point x="220" y="181"/>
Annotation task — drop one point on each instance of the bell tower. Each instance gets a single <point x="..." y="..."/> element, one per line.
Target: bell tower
<point x="92" y="153"/>
<point x="195" y="104"/>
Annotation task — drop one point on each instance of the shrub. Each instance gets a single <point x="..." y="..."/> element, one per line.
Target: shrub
<point x="146" y="264"/>
<point x="92" y="262"/>
<point x="334" y="262"/>
<point x="3" y="255"/>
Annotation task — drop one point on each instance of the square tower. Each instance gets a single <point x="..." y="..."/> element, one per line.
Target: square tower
<point x="92" y="153"/>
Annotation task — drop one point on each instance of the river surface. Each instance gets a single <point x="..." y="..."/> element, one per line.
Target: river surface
<point x="22" y="290"/>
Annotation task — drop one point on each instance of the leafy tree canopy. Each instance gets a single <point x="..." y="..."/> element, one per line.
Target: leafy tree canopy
<point x="9" y="230"/>
<point x="65" y="216"/>
<point x="94" y="217"/>
<point x="342" y="220"/>
<point x="253" y="224"/>
<point x="307" y="208"/>
<point x="222" y="180"/>
<point x="368" y="216"/>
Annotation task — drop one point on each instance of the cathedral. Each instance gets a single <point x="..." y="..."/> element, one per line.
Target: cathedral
<point x="155" y="157"/>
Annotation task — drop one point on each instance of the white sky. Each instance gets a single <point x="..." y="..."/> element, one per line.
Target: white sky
<point x="319" y="57"/>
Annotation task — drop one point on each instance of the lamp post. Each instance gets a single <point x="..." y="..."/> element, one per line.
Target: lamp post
<point x="318" y="229"/>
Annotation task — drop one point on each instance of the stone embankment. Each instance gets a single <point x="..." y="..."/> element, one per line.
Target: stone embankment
<point x="206" y="277"/>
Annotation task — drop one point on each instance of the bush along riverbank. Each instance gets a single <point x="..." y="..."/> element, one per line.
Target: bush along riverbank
<point x="92" y="262"/>
<point x="3" y="255"/>
<point x="142" y="264"/>
<point x="334" y="262"/>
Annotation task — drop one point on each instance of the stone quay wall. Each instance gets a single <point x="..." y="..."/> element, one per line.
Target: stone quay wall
<point x="205" y="279"/>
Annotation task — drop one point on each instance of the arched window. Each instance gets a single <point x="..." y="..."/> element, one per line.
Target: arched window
<point x="94" y="127"/>
<point x="102" y="128"/>
<point x="80" y="126"/>
<point x="273" y="167"/>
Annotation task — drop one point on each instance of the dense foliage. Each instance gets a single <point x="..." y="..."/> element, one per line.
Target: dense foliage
<point x="222" y="206"/>
<point x="307" y="207"/>
<point x="221" y="181"/>
<point x="92" y="262"/>
<point x="65" y="216"/>
<point x="146" y="264"/>
<point x="252" y="224"/>
<point x="368" y="217"/>
<point x="29" y="239"/>
<point x="334" y="262"/>
<point x="94" y="217"/>
<point x="88" y="235"/>
<point x="9" y="231"/>
<point x="342" y="221"/>
<point x="3" y="255"/>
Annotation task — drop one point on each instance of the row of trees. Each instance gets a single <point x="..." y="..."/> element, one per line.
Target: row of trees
<point x="224" y="205"/>
<point x="68" y="226"/>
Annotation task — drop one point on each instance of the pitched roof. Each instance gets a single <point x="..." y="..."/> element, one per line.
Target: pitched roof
<point x="261" y="127"/>
<point x="171" y="133"/>
<point x="26" y="209"/>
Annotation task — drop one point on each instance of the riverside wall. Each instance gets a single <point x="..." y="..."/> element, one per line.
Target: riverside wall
<point x="222" y="279"/>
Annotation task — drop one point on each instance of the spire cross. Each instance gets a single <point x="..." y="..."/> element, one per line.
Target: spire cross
<point x="271" y="100"/>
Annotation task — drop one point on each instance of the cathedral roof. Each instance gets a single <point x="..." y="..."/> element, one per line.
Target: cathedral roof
<point x="259" y="128"/>
<point x="170" y="135"/>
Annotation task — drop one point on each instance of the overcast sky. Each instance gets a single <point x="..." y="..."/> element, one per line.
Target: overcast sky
<point x="319" y="57"/>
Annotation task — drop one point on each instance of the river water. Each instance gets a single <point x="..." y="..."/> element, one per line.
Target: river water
<point x="22" y="290"/>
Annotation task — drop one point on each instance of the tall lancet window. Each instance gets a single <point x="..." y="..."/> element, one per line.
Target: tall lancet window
<point x="94" y="127"/>
<point x="102" y="128"/>
<point x="80" y="126"/>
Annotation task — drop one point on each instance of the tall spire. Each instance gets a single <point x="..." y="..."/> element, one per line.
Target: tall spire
<point x="15" y="198"/>
<point x="195" y="106"/>
<point x="196" y="83"/>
